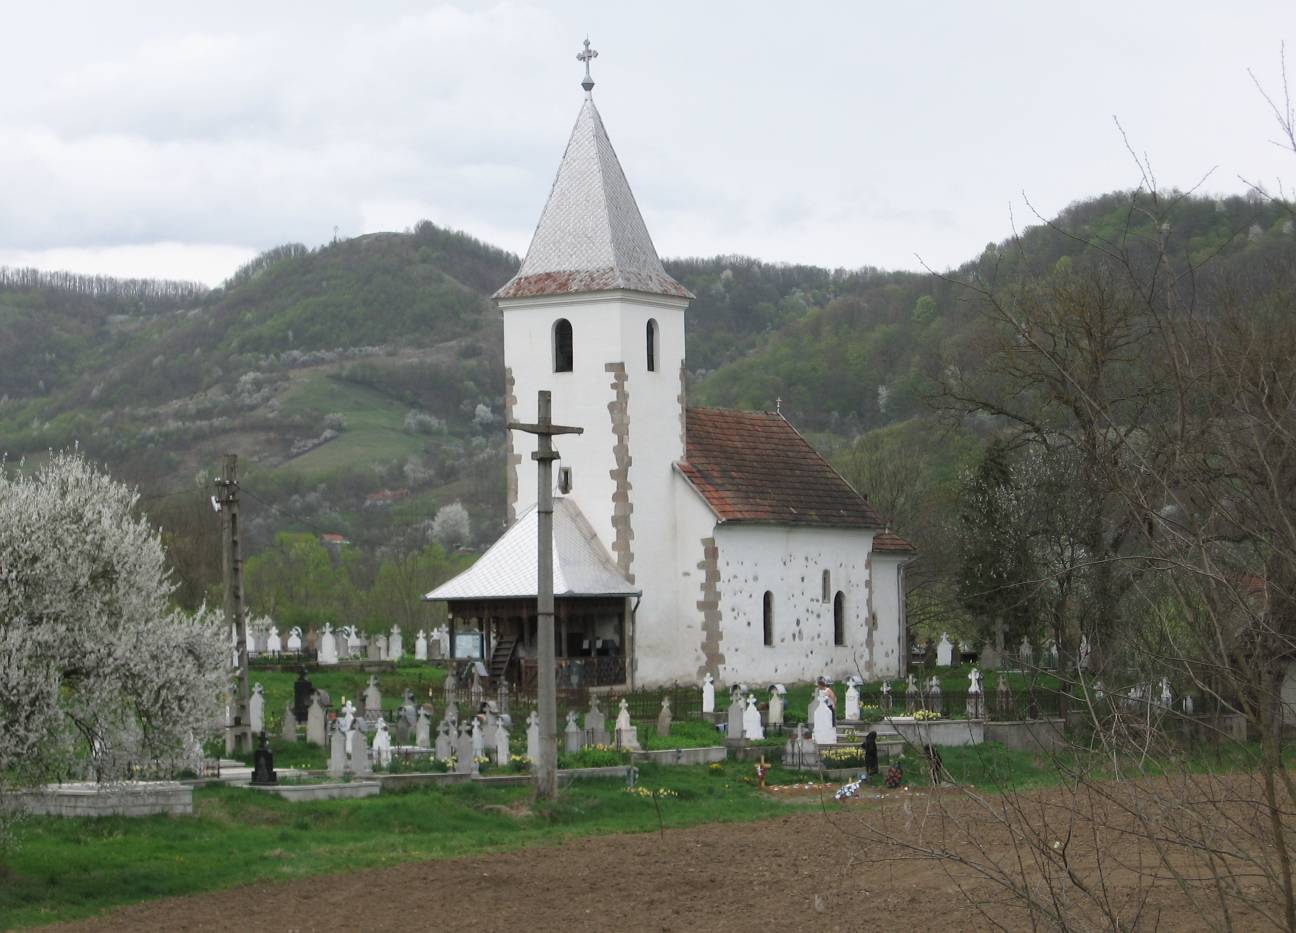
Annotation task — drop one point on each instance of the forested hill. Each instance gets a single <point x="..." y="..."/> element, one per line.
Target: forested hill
<point x="361" y="381"/>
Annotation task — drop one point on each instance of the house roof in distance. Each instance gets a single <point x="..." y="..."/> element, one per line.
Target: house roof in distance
<point x="753" y="466"/>
<point x="582" y="566"/>
<point x="591" y="236"/>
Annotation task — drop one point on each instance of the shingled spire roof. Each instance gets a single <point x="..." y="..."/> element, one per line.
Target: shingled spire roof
<point x="591" y="236"/>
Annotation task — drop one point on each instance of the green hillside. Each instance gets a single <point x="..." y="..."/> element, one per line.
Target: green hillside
<point x="361" y="382"/>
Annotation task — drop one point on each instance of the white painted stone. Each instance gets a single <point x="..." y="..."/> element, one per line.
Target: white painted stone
<point x="359" y="747"/>
<point x="421" y="646"/>
<point x="501" y="744"/>
<point x="295" y="640"/>
<point x="444" y="741"/>
<point x="533" y="737"/>
<point x="346" y="717"/>
<point x="328" y="653"/>
<point x="776" y="707"/>
<point x="944" y="651"/>
<point x="423" y="730"/>
<point x="752" y="728"/>
<point x="315" y="722"/>
<point x="273" y="643"/>
<point x="372" y="695"/>
<point x="852" y="702"/>
<point x="382" y="744"/>
<point x="708" y="694"/>
<point x="395" y="644"/>
<point x="256" y="709"/>
<point x="337" y="753"/>
<point x="824" y="732"/>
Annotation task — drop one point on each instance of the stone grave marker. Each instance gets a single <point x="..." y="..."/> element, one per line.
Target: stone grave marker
<point x="944" y="651"/>
<point x="347" y="715"/>
<point x="374" y="650"/>
<point x="734" y="718"/>
<point x="775" y="716"/>
<point x="263" y="771"/>
<point x="315" y="722"/>
<point x="337" y="753"/>
<point x="423" y="730"/>
<point x="572" y="735"/>
<point x="1025" y="656"/>
<point x="664" y="718"/>
<point x="372" y="699"/>
<point x="408" y="709"/>
<point x="852" y="701"/>
<point x="302" y="690"/>
<point x="824" y="731"/>
<point x="478" y="740"/>
<point x="295" y="640"/>
<point x="395" y="644"/>
<point x="533" y="737"/>
<point x="596" y="732"/>
<point x="911" y="696"/>
<point x="627" y="734"/>
<point x="402" y="731"/>
<point x="885" y="699"/>
<point x="465" y="754"/>
<point x="274" y="644"/>
<point x="708" y="694"/>
<point x="444" y="741"/>
<point x="382" y="744"/>
<point x="256" y="709"/>
<point x="328" y="646"/>
<point x="289" y="724"/>
<point x="975" y="699"/>
<point x="420" y="646"/>
<point x="312" y="639"/>
<point x="501" y="745"/>
<point x="360" y="753"/>
<point x="752" y="729"/>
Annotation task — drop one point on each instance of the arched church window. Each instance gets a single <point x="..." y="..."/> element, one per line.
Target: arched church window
<point x="652" y="346"/>
<point x="839" y="619"/>
<point x="562" y="346"/>
<point x="827" y="587"/>
<point x="768" y="617"/>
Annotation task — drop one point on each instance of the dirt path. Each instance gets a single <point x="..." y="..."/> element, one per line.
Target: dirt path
<point x="806" y="871"/>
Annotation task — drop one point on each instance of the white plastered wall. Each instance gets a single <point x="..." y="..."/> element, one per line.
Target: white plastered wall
<point x="610" y="328"/>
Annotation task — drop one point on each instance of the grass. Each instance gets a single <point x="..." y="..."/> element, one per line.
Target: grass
<point x="66" y="869"/>
<point x="73" y="868"/>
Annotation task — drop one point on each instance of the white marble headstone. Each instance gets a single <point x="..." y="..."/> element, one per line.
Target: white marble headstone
<point x="395" y="644"/>
<point x="824" y="732"/>
<point x="328" y="646"/>
<point x="420" y="647"/>
<point x="752" y="728"/>
<point x="708" y="694"/>
<point x="256" y="709"/>
<point x="944" y="651"/>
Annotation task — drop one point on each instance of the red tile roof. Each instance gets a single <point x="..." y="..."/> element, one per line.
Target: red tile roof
<point x="890" y="541"/>
<point x="752" y="466"/>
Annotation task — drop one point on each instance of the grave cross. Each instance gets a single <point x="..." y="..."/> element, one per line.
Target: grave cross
<point x="545" y="429"/>
<point x="999" y="629"/>
<point x="587" y="56"/>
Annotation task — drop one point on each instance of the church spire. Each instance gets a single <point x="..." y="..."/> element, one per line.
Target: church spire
<point x="591" y="236"/>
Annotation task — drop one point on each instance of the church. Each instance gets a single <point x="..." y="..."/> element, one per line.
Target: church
<point x="687" y="541"/>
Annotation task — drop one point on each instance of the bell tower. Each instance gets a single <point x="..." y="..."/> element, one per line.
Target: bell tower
<point x="593" y="317"/>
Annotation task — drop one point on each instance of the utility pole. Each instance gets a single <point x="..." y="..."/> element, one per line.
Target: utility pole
<point x="227" y="499"/>
<point x="546" y="773"/>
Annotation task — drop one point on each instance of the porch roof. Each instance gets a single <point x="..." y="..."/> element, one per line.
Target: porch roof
<point x="582" y="566"/>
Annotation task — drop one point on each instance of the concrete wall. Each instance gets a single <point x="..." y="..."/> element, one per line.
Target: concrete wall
<point x="80" y="800"/>
<point x="887" y="586"/>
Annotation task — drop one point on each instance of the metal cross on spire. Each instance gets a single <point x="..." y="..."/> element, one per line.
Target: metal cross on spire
<point x="587" y="56"/>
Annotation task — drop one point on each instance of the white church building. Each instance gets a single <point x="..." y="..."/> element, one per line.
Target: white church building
<point x="686" y="540"/>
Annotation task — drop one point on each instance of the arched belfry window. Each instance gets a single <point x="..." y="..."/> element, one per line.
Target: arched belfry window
<point x="767" y="611"/>
<point x="839" y="619"/>
<point x="652" y="345"/>
<point x="562" y="346"/>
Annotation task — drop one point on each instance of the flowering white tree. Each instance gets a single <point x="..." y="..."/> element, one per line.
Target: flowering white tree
<point x="451" y="526"/>
<point x="99" y="674"/>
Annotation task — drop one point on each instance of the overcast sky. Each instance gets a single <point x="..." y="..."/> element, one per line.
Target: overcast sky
<point x="178" y="140"/>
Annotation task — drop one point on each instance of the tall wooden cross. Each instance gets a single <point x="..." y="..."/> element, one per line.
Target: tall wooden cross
<point x="546" y="769"/>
